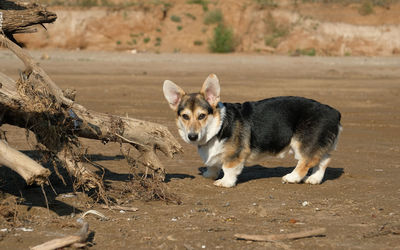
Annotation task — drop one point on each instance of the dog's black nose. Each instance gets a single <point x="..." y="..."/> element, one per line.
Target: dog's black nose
<point x="193" y="136"/>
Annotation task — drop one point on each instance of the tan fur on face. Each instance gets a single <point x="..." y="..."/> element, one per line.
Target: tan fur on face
<point x="193" y="125"/>
<point x="191" y="107"/>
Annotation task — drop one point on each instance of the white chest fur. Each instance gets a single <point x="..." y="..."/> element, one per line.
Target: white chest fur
<point x="211" y="153"/>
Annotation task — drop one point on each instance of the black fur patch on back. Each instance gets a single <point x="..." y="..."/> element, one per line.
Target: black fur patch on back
<point x="273" y="122"/>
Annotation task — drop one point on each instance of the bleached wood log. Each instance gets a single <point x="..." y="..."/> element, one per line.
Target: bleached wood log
<point x="31" y="171"/>
<point x="80" y="237"/>
<point x="278" y="237"/>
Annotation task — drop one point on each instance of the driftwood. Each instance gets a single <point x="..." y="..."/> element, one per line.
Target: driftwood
<point x="27" y="168"/>
<point x="79" y="238"/>
<point x="279" y="237"/>
<point x="36" y="103"/>
<point x="116" y="207"/>
<point x="19" y="16"/>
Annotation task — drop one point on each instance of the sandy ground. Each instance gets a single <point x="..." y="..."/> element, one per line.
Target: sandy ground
<point x="358" y="202"/>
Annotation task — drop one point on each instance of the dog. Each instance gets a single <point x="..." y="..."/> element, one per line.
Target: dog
<point x="229" y="135"/>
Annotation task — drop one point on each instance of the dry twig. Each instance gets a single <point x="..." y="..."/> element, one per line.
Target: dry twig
<point x="116" y="207"/>
<point x="278" y="237"/>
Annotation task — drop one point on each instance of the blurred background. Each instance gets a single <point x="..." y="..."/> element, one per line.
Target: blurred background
<point x="288" y="27"/>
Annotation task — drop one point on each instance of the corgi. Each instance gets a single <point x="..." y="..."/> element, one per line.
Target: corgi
<point x="229" y="135"/>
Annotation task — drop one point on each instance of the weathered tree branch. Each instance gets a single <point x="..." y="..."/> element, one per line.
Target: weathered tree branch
<point x="34" y="68"/>
<point x="19" y="16"/>
<point x="28" y="169"/>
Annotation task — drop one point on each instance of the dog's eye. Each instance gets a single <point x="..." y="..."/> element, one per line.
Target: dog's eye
<point x="185" y="116"/>
<point x="201" y="117"/>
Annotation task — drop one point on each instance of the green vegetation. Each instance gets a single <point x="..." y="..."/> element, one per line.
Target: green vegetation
<point x="158" y="41"/>
<point x="305" y="52"/>
<point x="87" y="3"/>
<point x="132" y="42"/>
<point x="213" y="16"/>
<point x="274" y="39"/>
<point x="179" y="27"/>
<point x="222" y="41"/>
<point x="146" y="39"/>
<point x="191" y="16"/>
<point x="134" y="38"/>
<point x="366" y="8"/>
<point x="266" y="3"/>
<point x="118" y="42"/>
<point x="276" y="32"/>
<point x="176" y="19"/>
<point x="198" y="43"/>
<point x="203" y="3"/>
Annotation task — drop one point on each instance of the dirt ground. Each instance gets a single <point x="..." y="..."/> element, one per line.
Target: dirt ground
<point x="358" y="202"/>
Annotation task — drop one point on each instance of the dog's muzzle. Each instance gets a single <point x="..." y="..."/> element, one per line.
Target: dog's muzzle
<point x="193" y="136"/>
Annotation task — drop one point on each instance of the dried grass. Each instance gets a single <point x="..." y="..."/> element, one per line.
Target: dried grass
<point x="144" y="185"/>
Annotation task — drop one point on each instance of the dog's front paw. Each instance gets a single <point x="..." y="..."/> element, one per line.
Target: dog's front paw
<point x="293" y="177"/>
<point x="211" y="174"/>
<point x="224" y="183"/>
<point x="314" y="180"/>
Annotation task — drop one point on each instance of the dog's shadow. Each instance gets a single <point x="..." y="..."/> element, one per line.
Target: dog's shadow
<point x="260" y="172"/>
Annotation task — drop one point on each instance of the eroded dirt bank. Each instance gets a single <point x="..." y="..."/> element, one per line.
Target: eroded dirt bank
<point x="273" y="27"/>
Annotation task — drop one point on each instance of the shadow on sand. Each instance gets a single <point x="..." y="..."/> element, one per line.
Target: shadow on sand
<point x="260" y="172"/>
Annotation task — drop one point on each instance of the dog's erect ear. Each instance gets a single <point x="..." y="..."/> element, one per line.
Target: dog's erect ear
<point x="211" y="90"/>
<point x="173" y="94"/>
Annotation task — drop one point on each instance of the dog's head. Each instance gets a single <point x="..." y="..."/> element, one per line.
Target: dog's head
<point x="198" y="115"/>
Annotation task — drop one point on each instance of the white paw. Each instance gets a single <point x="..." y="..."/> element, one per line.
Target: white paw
<point x="293" y="177"/>
<point x="224" y="183"/>
<point x="211" y="174"/>
<point x="313" y="180"/>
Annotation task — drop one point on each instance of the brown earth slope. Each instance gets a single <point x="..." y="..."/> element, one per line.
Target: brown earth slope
<point x="258" y="26"/>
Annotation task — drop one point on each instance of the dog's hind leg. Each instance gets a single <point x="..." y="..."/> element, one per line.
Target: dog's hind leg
<point x="302" y="167"/>
<point x="319" y="171"/>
